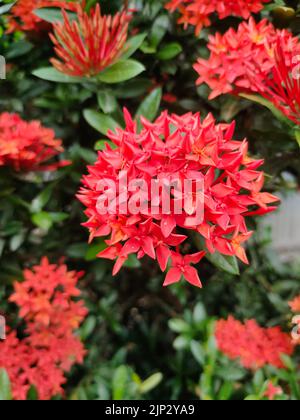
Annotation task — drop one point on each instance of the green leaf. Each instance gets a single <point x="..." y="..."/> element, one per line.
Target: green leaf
<point x="264" y="102"/>
<point x="5" y="387"/>
<point x="100" y="122"/>
<point x="132" y="262"/>
<point x="159" y="29"/>
<point x="42" y="220"/>
<point x="178" y="325"/>
<point x="53" y="75"/>
<point x="119" y="382"/>
<point x="107" y="101"/>
<point x="198" y="352"/>
<point x="41" y="200"/>
<point x="225" y="263"/>
<point x="32" y="394"/>
<point x="150" y="106"/>
<point x="101" y="145"/>
<point x="132" y="45"/>
<point x="6" y="8"/>
<point x="52" y="15"/>
<point x="121" y="71"/>
<point x="169" y="51"/>
<point x="151" y="383"/>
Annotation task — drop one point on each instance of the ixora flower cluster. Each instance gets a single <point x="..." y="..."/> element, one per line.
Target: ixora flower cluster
<point x="87" y="46"/>
<point x="198" y="13"/>
<point x="27" y="146"/>
<point x="295" y="307"/>
<point x="253" y="345"/>
<point x="256" y="58"/>
<point x="50" y="347"/>
<point x="183" y="149"/>
<point x="22" y="17"/>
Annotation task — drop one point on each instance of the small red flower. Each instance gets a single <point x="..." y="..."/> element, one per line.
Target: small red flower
<point x="273" y="391"/>
<point x="254" y="346"/>
<point x="91" y="44"/>
<point x="22" y="18"/>
<point x="46" y="299"/>
<point x="198" y="13"/>
<point x="27" y="146"/>
<point x="173" y="148"/>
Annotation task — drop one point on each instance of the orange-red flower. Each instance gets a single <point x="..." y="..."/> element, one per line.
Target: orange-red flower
<point x="198" y="13"/>
<point x="253" y="345"/>
<point x="22" y="18"/>
<point x="50" y="347"/>
<point x="89" y="45"/>
<point x="295" y="304"/>
<point x="273" y="391"/>
<point x="27" y="146"/>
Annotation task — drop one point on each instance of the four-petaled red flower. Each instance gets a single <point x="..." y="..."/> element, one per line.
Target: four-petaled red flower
<point x="253" y="345"/>
<point x="173" y="148"/>
<point x="27" y="146"/>
<point x="46" y="299"/>
<point x="198" y="13"/>
<point x="91" y="43"/>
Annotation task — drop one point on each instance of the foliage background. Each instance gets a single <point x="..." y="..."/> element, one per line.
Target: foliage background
<point x="137" y="329"/>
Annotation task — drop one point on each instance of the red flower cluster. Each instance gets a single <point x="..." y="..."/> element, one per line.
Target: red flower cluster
<point x="88" y="46"/>
<point x="50" y="348"/>
<point x="256" y="347"/>
<point x="257" y="58"/>
<point x="198" y="12"/>
<point x="295" y="305"/>
<point x="174" y="148"/>
<point x="23" y="19"/>
<point x="26" y="146"/>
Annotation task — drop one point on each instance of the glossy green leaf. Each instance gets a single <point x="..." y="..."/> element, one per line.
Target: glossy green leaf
<point x="100" y="122"/>
<point x="121" y="71"/>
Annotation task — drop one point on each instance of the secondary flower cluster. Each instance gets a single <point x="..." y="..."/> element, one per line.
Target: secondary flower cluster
<point x="198" y="13"/>
<point x="27" y="146"/>
<point x="255" y="58"/>
<point x="50" y="347"/>
<point x="22" y="18"/>
<point x="174" y="148"/>
<point x="89" y="45"/>
<point x="253" y="345"/>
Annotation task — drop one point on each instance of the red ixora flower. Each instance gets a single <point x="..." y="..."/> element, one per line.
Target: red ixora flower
<point x="255" y="59"/>
<point x="89" y="45"/>
<point x="253" y="345"/>
<point x="198" y="13"/>
<point x="46" y="299"/>
<point x="181" y="150"/>
<point x="295" y="305"/>
<point x="22" y="18"/>
<point x="27" y="146"/>
<point x="273" y="391"/>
